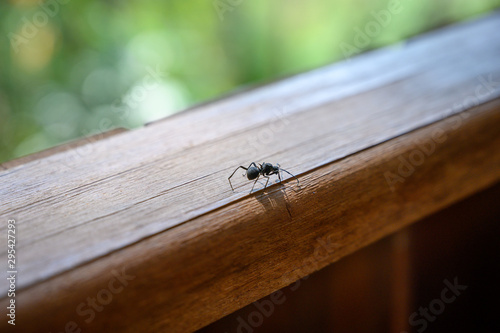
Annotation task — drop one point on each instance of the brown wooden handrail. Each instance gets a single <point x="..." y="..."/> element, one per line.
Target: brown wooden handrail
<point x="145" y="225"/>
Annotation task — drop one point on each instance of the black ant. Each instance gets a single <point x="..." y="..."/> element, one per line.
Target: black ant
<point x="265" y="170"/>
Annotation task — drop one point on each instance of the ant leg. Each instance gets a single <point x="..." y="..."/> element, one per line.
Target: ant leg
<point x="267" y="181"/>
<point x="229" y="178"/>
<point x="254" y="184"/>
<point x="255" y="165"/>
<point x="281" y="180"/>
<point x="298" y="183"/>
<point x="279" y="172"/>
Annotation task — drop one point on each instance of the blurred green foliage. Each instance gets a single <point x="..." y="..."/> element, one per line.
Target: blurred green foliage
<point x="71" y="68"/>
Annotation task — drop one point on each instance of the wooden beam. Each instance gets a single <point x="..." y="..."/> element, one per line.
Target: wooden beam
<point x="378" y="143"/>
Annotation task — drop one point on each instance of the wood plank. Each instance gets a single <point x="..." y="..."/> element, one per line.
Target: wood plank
<point x="193" y="274"/>
<point x="155" y="192"/>
<point x="354" y="294"/>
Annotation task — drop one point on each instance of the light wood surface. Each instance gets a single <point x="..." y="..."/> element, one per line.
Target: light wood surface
<point x="156" y="200"/>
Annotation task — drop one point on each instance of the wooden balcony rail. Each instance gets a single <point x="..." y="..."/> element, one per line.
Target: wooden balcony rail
<point x="140" y="231"/>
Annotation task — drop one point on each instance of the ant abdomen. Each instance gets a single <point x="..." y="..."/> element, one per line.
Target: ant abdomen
<point x="252" y="173"/>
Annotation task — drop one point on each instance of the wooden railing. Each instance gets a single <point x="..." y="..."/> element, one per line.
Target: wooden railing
<point x="140" y="230"/>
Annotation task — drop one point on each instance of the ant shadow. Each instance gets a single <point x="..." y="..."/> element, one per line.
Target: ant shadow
<point x="274" y="197"/>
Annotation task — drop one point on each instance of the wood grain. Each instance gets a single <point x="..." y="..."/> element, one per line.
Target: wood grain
<point x="200" y="271"/>
<point x="372" y="290"/>
<point x="156" y="200"/>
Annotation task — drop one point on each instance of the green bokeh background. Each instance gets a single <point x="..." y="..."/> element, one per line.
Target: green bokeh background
<point x="72" y="68"/>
